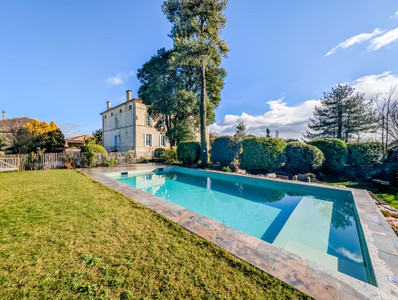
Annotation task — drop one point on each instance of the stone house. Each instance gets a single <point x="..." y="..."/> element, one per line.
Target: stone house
<point x="128" y="126"/>
<point x="10" y="127"/>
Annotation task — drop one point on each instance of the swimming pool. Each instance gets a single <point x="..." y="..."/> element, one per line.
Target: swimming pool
<point x="314" y="223"/>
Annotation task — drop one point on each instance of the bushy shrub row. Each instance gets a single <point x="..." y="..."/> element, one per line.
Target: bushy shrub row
<point x="302" y="158"/>
<point x="188" y="152"/>
<point x="262" y="153"/>
<point x="224" y="150"/>
<point x="335" y="152"/>
<point x="364" y="154"/>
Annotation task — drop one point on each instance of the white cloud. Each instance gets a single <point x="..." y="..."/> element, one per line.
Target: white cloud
<point x="120" y="78"/>
<point x="291" y="121"/>
<point x="394" y="15"/>
<point x="374" y="85"/>
<point x="356" y="39"/>
<point x="117" y="80"/>
<point x="384" y="40"/>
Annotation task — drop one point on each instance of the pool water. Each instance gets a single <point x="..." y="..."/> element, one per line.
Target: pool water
<point x="319" y="228"/>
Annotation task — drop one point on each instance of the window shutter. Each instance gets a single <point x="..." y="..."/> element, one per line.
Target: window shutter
<point x="151" y="140"/>
<point x="160" y="140"/>
<point x="144" y="139"/>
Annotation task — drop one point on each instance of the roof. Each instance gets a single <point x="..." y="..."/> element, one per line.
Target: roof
<point x="80" y="138"/>
<point x="124" y="103"/>
<point x="10" y="125"/>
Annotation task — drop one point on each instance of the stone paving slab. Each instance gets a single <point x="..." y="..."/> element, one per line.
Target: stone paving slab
<point x="307" y="276"/>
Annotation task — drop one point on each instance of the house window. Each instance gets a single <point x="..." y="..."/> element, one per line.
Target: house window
<point x="130" y="107"/>
<point x="111" y="114"/>
<point x="116" y="123"/>
<point x="104" y="116"/>
<point x="162" y="141"/>
<point x="148" y="140"/>
<point x="120" y="110"/>
<point x="115" y="141"/>
<point x="148" y="120"/>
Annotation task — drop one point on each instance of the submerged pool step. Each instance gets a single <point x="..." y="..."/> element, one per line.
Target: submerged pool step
<point x="306" y="232"/>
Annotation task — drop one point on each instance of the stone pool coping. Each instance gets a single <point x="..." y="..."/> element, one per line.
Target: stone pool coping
<point x="303" y="274"/>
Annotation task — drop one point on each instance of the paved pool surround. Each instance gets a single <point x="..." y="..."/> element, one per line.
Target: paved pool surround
<point x="303" y="274"/>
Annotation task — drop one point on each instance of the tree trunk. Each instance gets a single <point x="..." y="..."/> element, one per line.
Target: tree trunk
<point x="203" y="139"/>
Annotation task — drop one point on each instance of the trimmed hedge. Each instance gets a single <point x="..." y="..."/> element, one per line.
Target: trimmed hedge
<point x="158" y="152"/>
<point x="262" y="153"/>
<point x="364" y="154"/>
<point x="302" y="158"/>
<point x="89" y="153"/>
<point x="188" y="152"/>
<point x="335" y="152"/>
<point x="169" y="156"/>
<point x="224" y="150"/>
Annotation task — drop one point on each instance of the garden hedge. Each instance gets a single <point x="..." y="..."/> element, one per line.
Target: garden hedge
<point x="302" y="158"/>
<point x="364" y="154"/>
<point x="335" y="152"/>
<point x="224" y="150"/>
<point x="169" y="156"/>
<point x="188" y="152"/>
<point x="158" y="152"/>
<point x="262" y="153"/>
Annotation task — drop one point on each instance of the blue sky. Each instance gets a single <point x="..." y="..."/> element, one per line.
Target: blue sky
<point x="62" y="60"/>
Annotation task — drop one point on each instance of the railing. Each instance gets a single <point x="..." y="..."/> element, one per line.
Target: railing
<point x="47" y="161"/>
<point x="9" y="163"/>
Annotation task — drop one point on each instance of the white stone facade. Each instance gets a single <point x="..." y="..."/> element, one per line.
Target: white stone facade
<point x="129" y="127"/>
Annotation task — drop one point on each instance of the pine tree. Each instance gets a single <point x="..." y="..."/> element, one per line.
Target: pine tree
<point x="197" y="25"/>
<point x="240" y="131"/>
<point x="341" y="115"/>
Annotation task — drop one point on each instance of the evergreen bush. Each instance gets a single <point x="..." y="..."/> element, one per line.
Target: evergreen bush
<point x="335" y="152"/>
<point x="224" y="150"/>
<point x="188" y="152"/>
<point x="302" y="158"/>
<point x="169" y="156"/>
<point x="158" y="152"/>
<point x="262" y="153"/>
<point x="364" y="154"/>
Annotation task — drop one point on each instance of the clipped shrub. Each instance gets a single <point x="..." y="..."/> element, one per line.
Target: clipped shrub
<point x="302" y="158"/>
<point x="109" y="162"/>
<point x="335" y="152"/>
<point x="224" y="150"/>
<point x="364" y="154"/>
<point x="169" y="156"/>
<point x="90" y="151"/>
<point x="158" y="152"/>
<point x="188" y="152"/>
<point x="262" y="153"/>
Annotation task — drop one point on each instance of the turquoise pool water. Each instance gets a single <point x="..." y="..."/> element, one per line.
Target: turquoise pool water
<point x="322" y="228"/>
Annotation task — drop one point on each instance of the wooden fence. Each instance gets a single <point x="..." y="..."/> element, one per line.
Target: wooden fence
<point x="47" y="161"/>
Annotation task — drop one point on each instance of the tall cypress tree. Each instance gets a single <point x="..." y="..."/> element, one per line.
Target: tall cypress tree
<point x="341" y="115"/>
<point x="197" y="25"/>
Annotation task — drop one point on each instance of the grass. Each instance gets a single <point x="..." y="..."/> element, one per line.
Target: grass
<point x="65" y="236"/>
<point x="391" y="196"/>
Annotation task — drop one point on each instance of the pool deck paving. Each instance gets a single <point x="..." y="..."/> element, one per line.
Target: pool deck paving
<point x="307" y="276"/>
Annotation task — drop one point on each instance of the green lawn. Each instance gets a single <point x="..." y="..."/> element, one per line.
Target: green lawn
<point x="65" y="236"/>
<point x="391" y="196"/>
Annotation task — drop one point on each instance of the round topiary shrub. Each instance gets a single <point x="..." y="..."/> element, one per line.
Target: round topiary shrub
<point x="158" y="152"/>
<point x="262" y="153"/>
<point x="302" y="158"/>
<point x="364" y="154"/>
<point x="224" y="150"/>
<point x="335" y="152"/>
<point x="188" y="152"/>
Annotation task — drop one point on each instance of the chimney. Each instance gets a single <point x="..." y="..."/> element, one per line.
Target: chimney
<point x="128" y="95"/>
<point x="109" y="104"/>
<point x="4" y="115"/>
